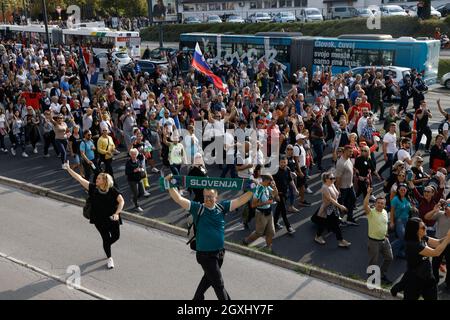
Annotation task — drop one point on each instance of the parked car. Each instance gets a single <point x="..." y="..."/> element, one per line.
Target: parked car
<point x="235" y="19"/>
<point x="162" y="53"/>
<point x="409" y="9"/>
<point x="343" y="12"/>
<point x="397" y="73"/>
<point x="365" y="13"/>
<point x="122" y="57"/>
<point x="444" y="9"/>
<point x="284" y="17"/>
<point x="392" y="10"/>
<point x="145" y="66"/>
<point x="433" y="12"/>
<point x="310" y="14"/>
<point x="192" y="20"/>
<point x="214" y="18"/>
<point x="259" y="17"/>
<point x="445" y="80"/>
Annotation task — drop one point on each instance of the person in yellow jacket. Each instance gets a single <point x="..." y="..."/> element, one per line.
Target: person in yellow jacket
<point x="105" y="149"/>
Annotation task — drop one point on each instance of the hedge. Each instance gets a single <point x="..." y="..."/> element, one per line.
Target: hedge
<point x="396" y="26"/>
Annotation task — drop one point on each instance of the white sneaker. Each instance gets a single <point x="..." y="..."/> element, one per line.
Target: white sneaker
<point x="13" y="152"/>
<point x="5" y="150"/>
<point x="116" y="152"/>
<point x="24" y="154"/>
<point x="46" y="155"/>
<point x="110" y="263"/>
<point x="35" y="151"/>
<point x="308" y="190"/>
<point x="155" y="170"/>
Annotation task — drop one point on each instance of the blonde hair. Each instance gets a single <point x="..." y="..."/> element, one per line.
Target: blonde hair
<point x="109" y="180"/>
<point x="133" y="150"/>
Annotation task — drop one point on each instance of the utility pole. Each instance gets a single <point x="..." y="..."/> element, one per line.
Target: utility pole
<point x="44" y="7"/>
<point x="3" y="11"/>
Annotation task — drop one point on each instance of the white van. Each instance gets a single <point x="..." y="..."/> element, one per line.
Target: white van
<point x="310" y="14"/>
<point x="343" y="12"/>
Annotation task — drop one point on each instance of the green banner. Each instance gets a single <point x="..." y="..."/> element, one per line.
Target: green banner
<point x="189" y="182"/>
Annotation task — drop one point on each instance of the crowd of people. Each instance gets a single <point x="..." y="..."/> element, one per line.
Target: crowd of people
<point x="155" y="120"/>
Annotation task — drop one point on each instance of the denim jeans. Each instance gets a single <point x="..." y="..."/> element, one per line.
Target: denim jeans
<point x="62" y="147"/>
<point x="398" y="245"/>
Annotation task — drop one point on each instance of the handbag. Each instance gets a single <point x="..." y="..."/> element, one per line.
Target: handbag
<point x="142" y="174"/>
<point x="87" y="209"/>
<point x="332" y="210"/>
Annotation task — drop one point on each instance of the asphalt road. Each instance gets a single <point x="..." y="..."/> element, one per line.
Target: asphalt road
<point x="20" y="283"/>
<point x="299" y="247"/>
<point x="150" y="264"/>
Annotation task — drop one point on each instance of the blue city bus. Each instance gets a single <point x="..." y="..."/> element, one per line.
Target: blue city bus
<point x="229" y="47"/>
<point x="342" y="53"/>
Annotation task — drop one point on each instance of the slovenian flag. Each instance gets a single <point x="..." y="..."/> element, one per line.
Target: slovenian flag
<point x="199" y="63"/>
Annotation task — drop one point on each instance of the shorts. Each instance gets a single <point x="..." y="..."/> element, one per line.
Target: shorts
<point x="301" y="181"/>
<point x="264" y="224"/>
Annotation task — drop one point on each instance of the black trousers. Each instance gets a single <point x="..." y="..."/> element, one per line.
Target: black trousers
<point x="108" y="165"/>
<point x="49" y="138"/>
<point x="331" y="222"/>
<point x="437" y="263"/>
<point x="110" y="233"/>
<point x="416" y="287"/>
<point x="87" y="169"/>
<point x="428" y="134"/>
<point x="281" y="210"/>
<point x="211" y="263"/>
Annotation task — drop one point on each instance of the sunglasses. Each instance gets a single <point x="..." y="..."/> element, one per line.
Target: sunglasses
<point x="332" y="178"/>
<point x="401" y="175"/>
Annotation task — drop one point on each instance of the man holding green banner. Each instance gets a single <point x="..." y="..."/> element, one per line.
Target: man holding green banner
<point x="210" y="232"/>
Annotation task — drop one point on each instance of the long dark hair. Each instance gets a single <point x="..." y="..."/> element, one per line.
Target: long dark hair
<point x="411" y="229"/>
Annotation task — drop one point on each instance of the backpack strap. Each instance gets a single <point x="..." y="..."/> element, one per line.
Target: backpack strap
<point x="194" y="224"/>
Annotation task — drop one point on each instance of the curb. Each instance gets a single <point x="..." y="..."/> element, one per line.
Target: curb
<point x="308" y="270"/>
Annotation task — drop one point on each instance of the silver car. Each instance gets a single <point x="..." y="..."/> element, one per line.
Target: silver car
<point x="445" y="80"/>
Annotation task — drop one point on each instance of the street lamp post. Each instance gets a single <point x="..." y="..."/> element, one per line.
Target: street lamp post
<point x="44" y="7"/>
<point x="3" y="11"/>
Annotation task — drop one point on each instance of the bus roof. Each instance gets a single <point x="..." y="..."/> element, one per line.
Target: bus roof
<point x="27" y="28"/>
<point x="291" y="35"/>
<point x="100" y="32"/>
<point x="365" y="36"/>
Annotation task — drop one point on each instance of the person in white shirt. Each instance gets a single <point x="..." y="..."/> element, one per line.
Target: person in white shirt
<point x="389" y="148"/>
<point x="87" y="119"/>
<point x="169" y="120"/>
<point x="55" y="106"/>
<point x="403" y="153"/>
<point x="362" y="123"/>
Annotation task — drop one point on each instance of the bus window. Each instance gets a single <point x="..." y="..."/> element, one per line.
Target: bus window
<point x="282" y="54"/>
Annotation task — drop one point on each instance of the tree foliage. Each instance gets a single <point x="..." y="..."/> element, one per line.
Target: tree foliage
<point x="93" y="7"/>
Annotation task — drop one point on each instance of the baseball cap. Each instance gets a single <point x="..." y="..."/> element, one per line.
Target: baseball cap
<point x="300" y="136"/>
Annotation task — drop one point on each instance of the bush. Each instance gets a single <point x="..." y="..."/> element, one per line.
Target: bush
<point x="395" y="26"/>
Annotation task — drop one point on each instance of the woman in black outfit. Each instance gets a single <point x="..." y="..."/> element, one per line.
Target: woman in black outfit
<point x="419" y="279"/>
<point x="106" y="205"/>
<point x="198" y="170"/>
